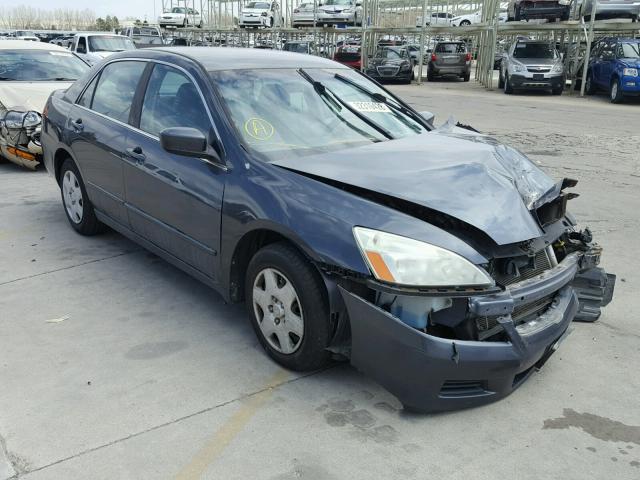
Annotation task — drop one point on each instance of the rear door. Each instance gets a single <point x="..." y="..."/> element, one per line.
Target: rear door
<point x="172" y="200"/>
<point x="98" y="126"/>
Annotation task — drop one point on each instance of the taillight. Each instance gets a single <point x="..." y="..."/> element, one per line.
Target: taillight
<point x="468" y="57"/>
<point x="434" y="57"/>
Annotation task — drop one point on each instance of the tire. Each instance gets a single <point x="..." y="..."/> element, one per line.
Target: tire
<point x="557" y="91"/>
<point x="466" y="77"/>
<point x="83" y="220"/>
<point x="516" y="15"/>
<point x="185" y="24"/>
<point x="284" y="267"/>
<point x="465" y="23"/>
<point x="589" y="87"/>
<point x="500" y="80"/>
<point x="615" y="92"/>
<point x="508" y="89"/>
<point x="430" y="75"/>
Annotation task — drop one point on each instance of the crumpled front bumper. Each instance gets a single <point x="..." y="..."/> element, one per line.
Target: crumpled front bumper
<point x="21" y="146"/>
<point x="429" y="373"/>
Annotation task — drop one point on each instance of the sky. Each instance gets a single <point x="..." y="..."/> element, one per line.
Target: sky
<point x="102" y="8"/>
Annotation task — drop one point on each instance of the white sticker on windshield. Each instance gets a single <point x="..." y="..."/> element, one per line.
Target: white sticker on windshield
<point x="60" y="54"/>
<point x="373" y="107"/>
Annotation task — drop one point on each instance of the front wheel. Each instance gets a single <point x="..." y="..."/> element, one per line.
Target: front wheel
<point x="589" y="87"/>
<point x="286" y="300"/>
<point x="465" y="23"/>
<point x="508" y="89"/>
<point x="77" y="206"/>
<point x="500" y="80"/>
<point x="557" y="91"/>
<point x="615" y="92"/>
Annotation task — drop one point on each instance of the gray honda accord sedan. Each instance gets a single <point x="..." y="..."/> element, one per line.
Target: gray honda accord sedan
<point x="439" y="262"/>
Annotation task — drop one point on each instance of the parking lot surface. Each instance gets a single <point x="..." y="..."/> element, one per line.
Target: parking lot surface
<point x="114" y="364"/>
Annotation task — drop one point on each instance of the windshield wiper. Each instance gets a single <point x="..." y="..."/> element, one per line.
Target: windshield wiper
<point x="59" y="79"/>
<point x="328" y="94"/>
<point x="378" y="97"/>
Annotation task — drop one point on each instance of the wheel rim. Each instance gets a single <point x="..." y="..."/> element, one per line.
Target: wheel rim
<point x="278" y="311"/>
<point x="72" y="195"/>
<point x="614" y="90"/>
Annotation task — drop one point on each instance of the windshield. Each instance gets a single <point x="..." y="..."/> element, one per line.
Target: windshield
<point x="105" y="43"/>
<point x="630" y="50"/>
<point x="259" y="5"/>
<point x="338" y="2"/>
<point x="279" y="114"/>
<point x="534" y="50"/>
<point x="40" y="65"/>
<point x="388" y="53"/>
<point x="23" y="33"/>
<point x="178" y="10"/>
<point x="297" y="47"/>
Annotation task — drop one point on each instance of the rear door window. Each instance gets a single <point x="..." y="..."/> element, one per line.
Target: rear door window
<point x="116" y="88"/>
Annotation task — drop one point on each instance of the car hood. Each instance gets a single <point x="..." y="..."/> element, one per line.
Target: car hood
<point x="28" y="95"/>
<point x="387" y="61"/>
<point x="537" y="61"/>
<point x="470" y="177"/>
<point x="630" y="62"/>
<point x="335" y="8"/>
<point x="254" y="10"/>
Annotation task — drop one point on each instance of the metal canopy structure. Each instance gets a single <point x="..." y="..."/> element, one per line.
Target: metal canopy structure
<point x="386" y="19"/>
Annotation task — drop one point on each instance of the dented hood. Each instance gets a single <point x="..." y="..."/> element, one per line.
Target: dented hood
<point x="470" y="177"/>
<point x="26" y="96"/>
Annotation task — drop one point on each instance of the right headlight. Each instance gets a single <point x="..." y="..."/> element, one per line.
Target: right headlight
<point x="558" y="68"/>
<point x="630" y="72"/>
<point x="516" y="67"/>
<point x="405" y="261"/>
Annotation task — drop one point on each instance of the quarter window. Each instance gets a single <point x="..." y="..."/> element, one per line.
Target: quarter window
<point x="117" y="86"/>
<point x="172" y="100"/>
<point x="87" y="96"/>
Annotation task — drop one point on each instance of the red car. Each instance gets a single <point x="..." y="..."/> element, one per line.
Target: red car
<point x="349" y="55"/>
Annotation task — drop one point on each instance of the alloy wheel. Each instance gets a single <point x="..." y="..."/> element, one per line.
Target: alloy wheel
<point x="72" y="194"/>
<point x="278" y="311"/>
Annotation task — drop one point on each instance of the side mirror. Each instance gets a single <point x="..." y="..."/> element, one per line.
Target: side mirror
<point x="189" y="142"/>
<point x="428" y="116"/>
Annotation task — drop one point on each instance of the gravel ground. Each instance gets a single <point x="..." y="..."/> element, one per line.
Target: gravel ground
<point x="113" y="364"/>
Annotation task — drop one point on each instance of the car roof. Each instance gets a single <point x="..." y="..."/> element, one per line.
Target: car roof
<point x="25" y="45"/>
<point x="243" y="58"/>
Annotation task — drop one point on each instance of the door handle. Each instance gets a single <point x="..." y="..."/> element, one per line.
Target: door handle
<point x="137" y="154"/>
<point x="77" y="125"/>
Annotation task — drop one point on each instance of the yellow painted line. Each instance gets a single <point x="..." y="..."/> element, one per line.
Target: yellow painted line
<point x="225" y="435"/>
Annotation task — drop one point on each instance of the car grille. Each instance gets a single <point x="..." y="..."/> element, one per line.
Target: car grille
<point x="463" y="388"/>
<point x="539" y="69"/>
<point x="387" y="71"/>
<point x="539" y="264"/>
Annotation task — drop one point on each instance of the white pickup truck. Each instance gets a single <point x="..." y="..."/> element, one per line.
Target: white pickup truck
<point x="93" y="47"/>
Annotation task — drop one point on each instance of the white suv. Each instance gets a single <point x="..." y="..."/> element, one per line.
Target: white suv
<point x="260" y="14"/>
<point x="180" y="17"/>
<point x="334" y="12"/>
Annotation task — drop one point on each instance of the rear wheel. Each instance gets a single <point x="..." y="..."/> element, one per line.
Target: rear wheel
<point x="185" y="23"/>
<point x="430" y="75"/>
<point x="286" y="300"/>
<point x="500" y="80"/>
<point x="465" y="23"/>
<point x="516" y="15"/>
<point x="466" y="77"/>
<point x="615" y="92"/>
<point x="77" y="206"/>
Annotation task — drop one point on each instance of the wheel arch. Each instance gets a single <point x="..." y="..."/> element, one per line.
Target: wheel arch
<point x="59" y="157"/>
<point x="247" y="246"/>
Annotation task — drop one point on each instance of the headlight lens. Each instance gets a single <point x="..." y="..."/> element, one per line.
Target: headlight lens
<point x="14" y="119"/>
<point x="557" y="68"/>
<point x="516" y="67"/>
<point x="630" y="72"/>
<point x="401" y="260"/>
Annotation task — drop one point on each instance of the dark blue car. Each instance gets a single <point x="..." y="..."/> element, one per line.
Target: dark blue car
<point x="614" y="67"/>
<point x="438" y="261"/>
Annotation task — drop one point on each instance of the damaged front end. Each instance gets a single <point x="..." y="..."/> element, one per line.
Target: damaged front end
<point x="20" y="136"/>
<point x="443" y="348"/>
<point x="439" y="349"/>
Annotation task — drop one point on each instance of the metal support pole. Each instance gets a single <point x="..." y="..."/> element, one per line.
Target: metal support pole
<point x="587" y="53"/>
<point x="422" y="39"/>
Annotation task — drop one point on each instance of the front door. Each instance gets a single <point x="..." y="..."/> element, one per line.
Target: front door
<point x="174" y="201"/>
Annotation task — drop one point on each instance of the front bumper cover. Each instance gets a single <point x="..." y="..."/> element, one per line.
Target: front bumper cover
<point x="429" y="373"/>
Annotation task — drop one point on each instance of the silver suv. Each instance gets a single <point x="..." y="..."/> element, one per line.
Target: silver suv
<point x="531" y="65"/>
